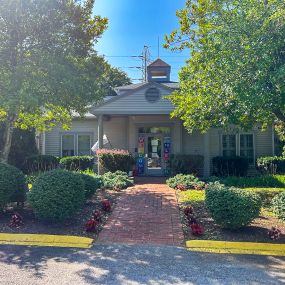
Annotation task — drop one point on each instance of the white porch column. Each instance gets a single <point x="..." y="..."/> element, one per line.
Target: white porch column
<point x="100" y="139"/>
<point x="206" y="155"/>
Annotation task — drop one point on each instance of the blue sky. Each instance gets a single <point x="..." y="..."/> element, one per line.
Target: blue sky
<point x="133" y="24"/>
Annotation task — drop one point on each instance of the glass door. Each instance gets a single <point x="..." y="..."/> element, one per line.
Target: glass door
<point x="154" y="151"/>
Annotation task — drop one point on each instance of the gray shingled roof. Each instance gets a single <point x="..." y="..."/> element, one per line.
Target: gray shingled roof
<point x="159" y="62"/>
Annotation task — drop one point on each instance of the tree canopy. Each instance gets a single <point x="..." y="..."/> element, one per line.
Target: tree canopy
<point x="236" y="70"/>
<point x="48" y="65"/>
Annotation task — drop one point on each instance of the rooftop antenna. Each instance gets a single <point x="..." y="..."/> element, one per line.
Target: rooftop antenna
<point x="158" y="47"/>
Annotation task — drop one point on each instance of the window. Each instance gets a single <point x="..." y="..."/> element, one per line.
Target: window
<point x="229" y="145"/>
<point x="67" y="145"/>
<point x="84" y="144"/>
<point x="76" y="144"/>
<point x="246" y="147"/>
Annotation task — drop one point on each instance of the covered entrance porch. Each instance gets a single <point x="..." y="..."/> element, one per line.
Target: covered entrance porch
<point x="151" y="139"/>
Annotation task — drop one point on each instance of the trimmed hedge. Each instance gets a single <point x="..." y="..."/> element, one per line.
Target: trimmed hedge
<point x="232" y="208"/>
<point x="76" y="163"/>
<point x="271" y="164"/>
<point x="115" y="159"/>
<point x="41" y="163"/>
<point x="91" y="183"/>
<point x="230" y="166"/>
<point x="278" y="205"/>
<point x="56" y="195"/>
<point x="117" y="180"/>
<point x="186" y="164"/>
<point x="256" y="181"/>
<point x="12" y="185"/>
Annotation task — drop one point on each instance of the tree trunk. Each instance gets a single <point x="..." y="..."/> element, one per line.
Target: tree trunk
<point x="7" y="139"/>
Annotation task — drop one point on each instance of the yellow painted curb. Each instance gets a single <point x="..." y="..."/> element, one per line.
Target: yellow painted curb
<point x="46" y="240"/>
<point x="236" y="247"/>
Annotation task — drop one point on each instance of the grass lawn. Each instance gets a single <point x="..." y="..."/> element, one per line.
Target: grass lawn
<point x="255" y="232"/>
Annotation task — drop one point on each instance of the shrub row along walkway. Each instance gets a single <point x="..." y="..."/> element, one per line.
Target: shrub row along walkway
<point x="146" y="213"/>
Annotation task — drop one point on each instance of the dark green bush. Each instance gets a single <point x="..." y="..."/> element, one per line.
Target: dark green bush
<point x="115" y="159"/>
<point x="271" y="164"/>
<point x="278" y="205"/>
<point x="12" y="185"/>
<point x="232" y="208"/>
<point x="117" y="180"/>
<point x="91" y="183"/>
<point x="76" y="163"/>
<point x="230" y="166"/>
<point x="41" y="163"/>
<point x="186" y="164"/>
<point x="187" y="180"/>
<point x="256" y="181"/>
<point x="57" y="195"/>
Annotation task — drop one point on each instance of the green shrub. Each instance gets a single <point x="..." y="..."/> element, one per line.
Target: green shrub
<point x="12" y="185"/>
<point x="56" y="195"/>
<point x="232" y="207"/>
<point x="271" y="164"/>
<point x="76" y="163"/>
<point x="117" y="180"/>
<point x="186" y="164"/>
<point x="187" y="180"/>
<point x="115" y="159"/>
<point x="227" y="166"/>
<point x="91" y="183"/>
<point x="278" y="205"/>
<point x="256" y="181"/>
<point x="41" y="163"/>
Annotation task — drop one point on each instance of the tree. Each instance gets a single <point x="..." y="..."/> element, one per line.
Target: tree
<point x="45" y="52"/>
<point x="236" y="72"/>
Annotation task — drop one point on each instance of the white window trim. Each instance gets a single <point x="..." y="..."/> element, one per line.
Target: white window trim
<point x="238" y="143"/>
<point x="75" y="140"/>
<point x="90" y="141"/>
<point x="67" y="134"/>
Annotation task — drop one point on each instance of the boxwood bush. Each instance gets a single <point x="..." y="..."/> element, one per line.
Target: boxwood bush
<point x="271" y="164"/>
<point x="76" y="163"/>
<point x="230" y="166"/>
<point x="278" y="205"/>
<point x="115" y="159"/>
<point x="117" y="180"/>
<point x="91" y="183"/>
<point x="187" y="180"/>
<point x="12" y="185"/>
<point x="232" y="208"/>
<point x="56" y="195"/>
<point x="41" y="163"/>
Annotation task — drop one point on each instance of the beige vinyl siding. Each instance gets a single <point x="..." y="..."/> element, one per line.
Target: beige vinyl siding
<point x="263" y="143"/>
<point x="136" y="103"/>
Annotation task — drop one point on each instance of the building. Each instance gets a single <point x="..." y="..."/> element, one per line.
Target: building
<point x="138" y="119"/>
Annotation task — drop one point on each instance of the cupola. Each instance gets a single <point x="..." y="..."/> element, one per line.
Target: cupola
<point x="158" y="71"/>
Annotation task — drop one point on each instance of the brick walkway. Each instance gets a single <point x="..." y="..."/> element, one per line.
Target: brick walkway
<point x="146" y="213"/>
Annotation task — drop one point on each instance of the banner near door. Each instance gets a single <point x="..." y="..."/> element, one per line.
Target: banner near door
<point x="140" y="160"/>
<point x="166" y="155"/>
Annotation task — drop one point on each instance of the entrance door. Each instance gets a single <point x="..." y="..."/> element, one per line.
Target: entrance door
<point x="154" y="155"/>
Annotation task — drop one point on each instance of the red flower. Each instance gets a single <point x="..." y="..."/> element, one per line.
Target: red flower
<point x="274" y="233"/>
<point x="16" y="220"/>
<point x="196" y="229"/>
<point x="188" y="211"/>
<point x="181" y="187"/>
<point x="106" y="205"/>
<point x="91" y="225"/>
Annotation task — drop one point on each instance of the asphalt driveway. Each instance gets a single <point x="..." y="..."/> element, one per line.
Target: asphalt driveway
<point x="126" y="264"/>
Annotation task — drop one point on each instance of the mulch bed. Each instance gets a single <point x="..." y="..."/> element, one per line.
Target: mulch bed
<point x="257" y="231"/>
<point x="74" y="226"/>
